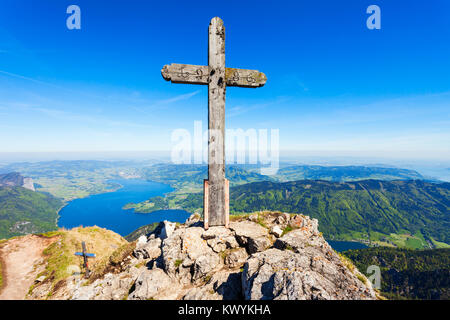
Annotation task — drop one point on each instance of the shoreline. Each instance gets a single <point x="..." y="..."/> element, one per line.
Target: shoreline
<point x="66" y="202"/>
<point x="130" y="186"/>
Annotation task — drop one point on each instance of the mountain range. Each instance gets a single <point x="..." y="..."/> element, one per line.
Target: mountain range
<point x="411" y="213"/>
<point x="15" y="179"/>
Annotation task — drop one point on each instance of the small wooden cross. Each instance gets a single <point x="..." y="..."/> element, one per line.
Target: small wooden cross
<point x="85" y="256"/>
<point x="217" y="77"/>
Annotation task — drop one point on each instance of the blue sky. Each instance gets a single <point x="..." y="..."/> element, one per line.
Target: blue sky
<point x="334" y="86"/>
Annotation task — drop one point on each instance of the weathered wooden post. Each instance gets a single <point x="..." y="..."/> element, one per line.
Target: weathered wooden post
<point x="214" y="213"/>
<point x="217" y="77"/>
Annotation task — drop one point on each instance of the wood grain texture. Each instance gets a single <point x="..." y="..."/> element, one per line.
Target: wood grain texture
<point x="205" y="205"/>
<point x="193" y="74"/>
<point x="216" y="122"/>
<point x="227" y="203"/>
<point x="186" y="73"/>
<point x="217" y="77"/>
<point x="245" y="78"/>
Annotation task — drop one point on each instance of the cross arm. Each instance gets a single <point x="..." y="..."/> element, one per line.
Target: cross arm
<point x="185" y="73"/>
<point x="82" y="254"/>
<point x="244" y="78"/>
<point x="192" y="74"/>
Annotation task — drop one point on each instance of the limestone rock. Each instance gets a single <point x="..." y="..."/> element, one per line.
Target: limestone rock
<point x="167" y="229"/>
<point x="251" y="235"/>
<point x="223" y="285"/>
<point x="258" y="244"/>
<point x="296" y="221"/>
<point x="236" y="258"/>
<point x="299" y="239"/>
<point x="282" y="219"/>
<point x="276" y="231"/>
<point x="285" y="275"/>
<point x="202" y="293"/>
<point x="141" y="240"/>
<point x="153" y="284"/>
<point x="188" y="262"/>
<point x="219" y="239"/>
<point x="204" y="265"/>
<point x="193" y="220"/>
<point x="186" y="249"/>
<point x="84" y="293"/>
<point x="227" y="285"/>
<point x="148" y="250"/>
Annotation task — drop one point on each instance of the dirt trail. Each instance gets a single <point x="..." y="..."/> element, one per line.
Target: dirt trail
<point x="18" y="257"/>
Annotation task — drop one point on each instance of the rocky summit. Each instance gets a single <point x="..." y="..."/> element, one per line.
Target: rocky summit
<point x="267" y="255"/>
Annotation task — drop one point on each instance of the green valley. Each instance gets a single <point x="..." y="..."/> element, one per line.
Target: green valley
<point x="23" y="211"/>
<point x="412" y="214"/>
<point x="70" y="180"/>
<point x="401" y="213"/>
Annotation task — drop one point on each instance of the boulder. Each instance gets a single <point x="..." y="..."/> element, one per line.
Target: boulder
<point x="227" y="285"/>
<point x="153" y="284"/>
<point x="221" y="263"/>
<point x="204" y="265"/>
<point x="251" y="235"/>
<point x="167" y="229"/>
<point x="193" y="220"/>
<point x="113" y="287"/>
<point x="141" y="240"/>
<point x="187" y="256"/>
<point x="258" y="244"/>
<point x="219" y="239"/>
<point x="236" y="258"/>
<point x="297" y="221"/>
<point x="216" y="232"/>
<point x="148" y="250"/>
<point x="276" y="231"/>
<point x="286" y="275"/>
<point x="299" y="239"/>
<point x="84" y="293"/>
<point x="282" y="219"/>
<point x="223" y="285"/>
<point x="201" y="293"/>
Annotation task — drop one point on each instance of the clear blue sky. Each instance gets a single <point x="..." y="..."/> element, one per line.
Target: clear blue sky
<point x="333" y="85"/>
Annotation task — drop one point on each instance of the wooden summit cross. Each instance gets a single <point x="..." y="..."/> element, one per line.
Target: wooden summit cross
<point x="217" y="77"/>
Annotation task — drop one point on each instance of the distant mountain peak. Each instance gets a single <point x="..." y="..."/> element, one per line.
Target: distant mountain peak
<point x="15" y="179"/>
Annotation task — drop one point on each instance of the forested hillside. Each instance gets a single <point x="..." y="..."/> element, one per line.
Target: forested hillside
<point x="23" y="211"/>
<point x="412" y="274"/>
<point x="413" y="214"/>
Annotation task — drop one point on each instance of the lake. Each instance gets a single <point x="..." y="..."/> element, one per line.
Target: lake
<point x="105" y="210"/>
<point x="340" y="246"/>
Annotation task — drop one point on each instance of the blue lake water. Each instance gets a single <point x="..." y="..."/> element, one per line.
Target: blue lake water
<point x="340" y="246"/>
<point x="105" y="210"/>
